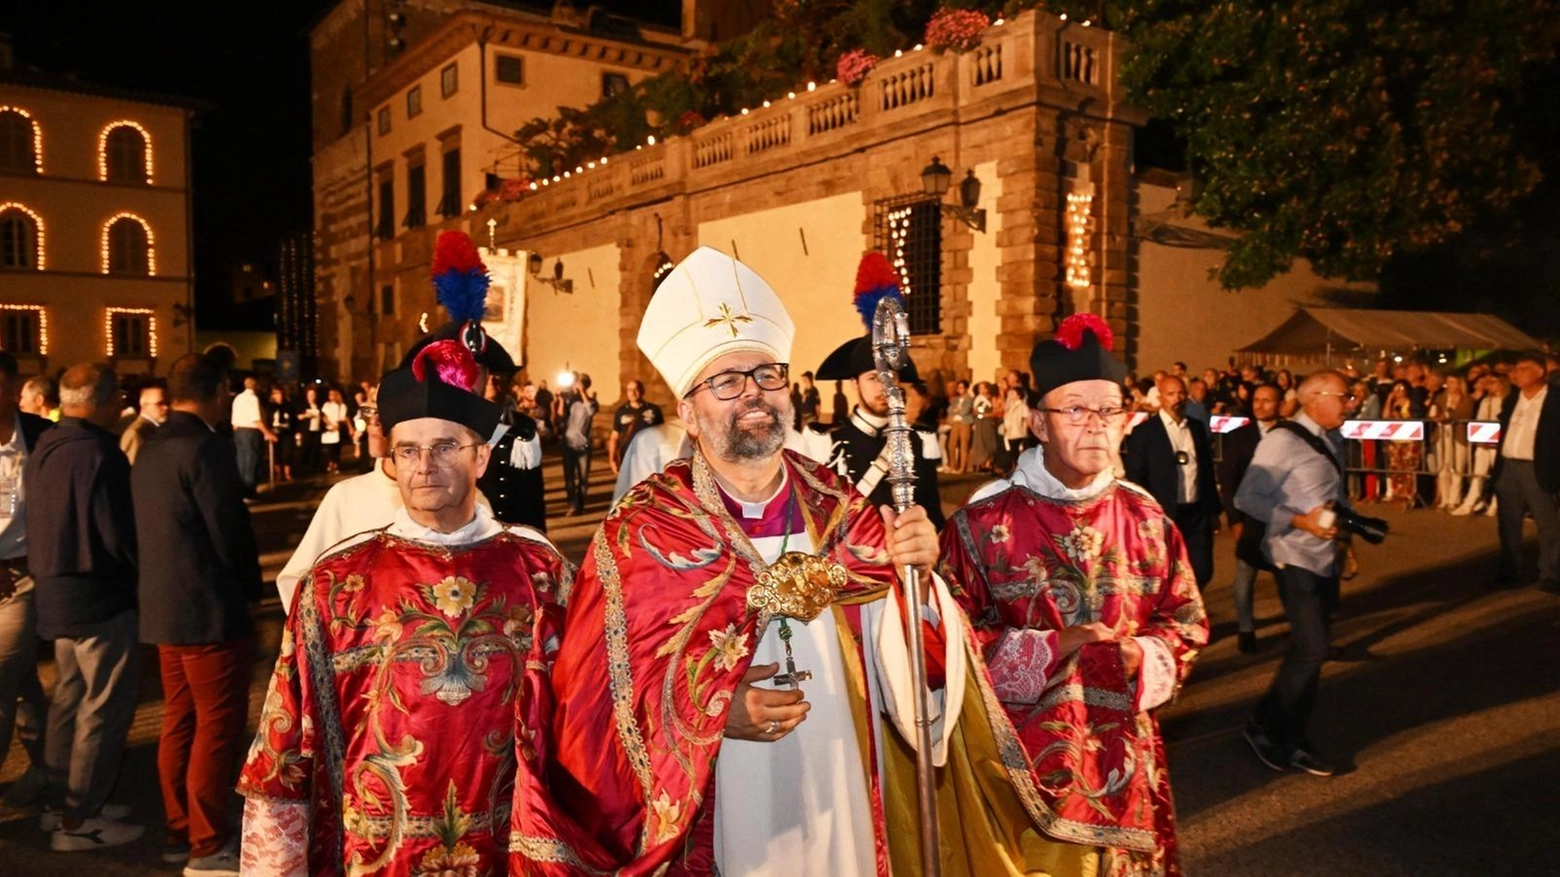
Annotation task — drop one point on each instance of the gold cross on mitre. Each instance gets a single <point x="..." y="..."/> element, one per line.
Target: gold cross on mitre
<point x="730" y="319"/>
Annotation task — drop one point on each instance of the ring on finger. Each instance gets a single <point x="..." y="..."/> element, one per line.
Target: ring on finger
<point x="774" y="726"/>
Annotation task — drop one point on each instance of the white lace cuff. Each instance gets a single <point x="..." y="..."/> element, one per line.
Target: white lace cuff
<point x="1021" y="663"/>
<point x="1157" y="676"/>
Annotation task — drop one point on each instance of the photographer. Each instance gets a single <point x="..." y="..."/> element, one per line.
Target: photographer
<point x="1295" y="479"/>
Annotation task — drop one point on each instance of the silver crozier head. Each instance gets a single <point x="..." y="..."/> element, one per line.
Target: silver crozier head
<point x="890" y="350"/>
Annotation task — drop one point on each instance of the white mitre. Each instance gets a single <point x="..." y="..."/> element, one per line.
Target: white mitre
<point x="708" y="306"/>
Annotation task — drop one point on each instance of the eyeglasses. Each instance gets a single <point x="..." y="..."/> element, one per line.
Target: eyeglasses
<point x="441" y="453"/>
<point x="729" y="385"/>
<point x="1077" y="414"/>
<point x="369" y="412"/>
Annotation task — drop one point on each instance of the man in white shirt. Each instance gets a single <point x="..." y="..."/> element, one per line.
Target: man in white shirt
<point x="1527" y="473"/>
<point x="250" y="433"/>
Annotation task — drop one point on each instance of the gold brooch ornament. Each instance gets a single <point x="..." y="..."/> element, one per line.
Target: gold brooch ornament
<point x="796" y="585"/>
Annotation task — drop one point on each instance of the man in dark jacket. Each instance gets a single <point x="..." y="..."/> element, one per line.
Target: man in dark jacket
<point x="83" y="561"/>
<point x="1527" y="472"/>
<point x="1171" y="456"/>
<point x="22" y="704"/>
<point x="199" y="571"/>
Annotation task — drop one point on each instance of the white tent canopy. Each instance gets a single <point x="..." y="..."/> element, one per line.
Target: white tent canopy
<point x="1320" y="332"/>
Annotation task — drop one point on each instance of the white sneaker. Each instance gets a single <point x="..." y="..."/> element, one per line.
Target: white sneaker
<point x="222" y="863"/>
<point x="50" y="818"/>
<point x="94" y="834"/>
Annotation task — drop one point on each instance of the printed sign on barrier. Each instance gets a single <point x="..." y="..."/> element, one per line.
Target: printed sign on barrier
<point x="1384" y="430"/>
<point x="1219" y="424"/>
<point x="1484" y="432"/>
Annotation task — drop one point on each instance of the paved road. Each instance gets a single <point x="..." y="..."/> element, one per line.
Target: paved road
<point x="1447" y="713"/>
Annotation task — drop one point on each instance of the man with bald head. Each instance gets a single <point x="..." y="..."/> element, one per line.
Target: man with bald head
<point x="1171" y="456"/>
<point x="1294" y="480"/>
<point x="83" y="558"/>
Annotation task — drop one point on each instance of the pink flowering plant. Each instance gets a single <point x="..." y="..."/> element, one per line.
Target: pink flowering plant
<point x="957" y="30"/>
<point x="854" y="66"/>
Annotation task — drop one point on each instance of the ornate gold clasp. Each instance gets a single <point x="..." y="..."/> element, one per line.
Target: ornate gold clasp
<point x="797" y="585"/>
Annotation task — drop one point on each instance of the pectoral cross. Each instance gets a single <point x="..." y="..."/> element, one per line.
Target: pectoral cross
<point x="792" y="678"/>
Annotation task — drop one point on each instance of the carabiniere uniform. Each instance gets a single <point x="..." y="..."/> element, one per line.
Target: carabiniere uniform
<point x="513" y="481"/>
<point x="856" y="449"/>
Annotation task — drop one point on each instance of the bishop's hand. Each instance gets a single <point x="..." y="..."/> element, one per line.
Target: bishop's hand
<point x="764" y="714"/>
<point x="912" y="540"/>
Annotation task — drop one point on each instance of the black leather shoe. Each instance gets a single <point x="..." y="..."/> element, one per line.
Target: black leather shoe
<point x="1313" y="764"/>
<point x="1246" y="641"/>
<point x="1268" y="752"/>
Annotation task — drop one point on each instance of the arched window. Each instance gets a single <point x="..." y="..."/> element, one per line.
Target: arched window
<point x="127" y="246"/>
<point x="125" y="154"/>
<point x="21" y="142"/>
<point x="21" y="238"/>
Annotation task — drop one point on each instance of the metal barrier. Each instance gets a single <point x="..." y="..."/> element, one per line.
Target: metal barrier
<point x="1409" y="461"/>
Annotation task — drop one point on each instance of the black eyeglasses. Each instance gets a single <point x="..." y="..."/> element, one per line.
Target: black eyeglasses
<point x="729" y="385"/>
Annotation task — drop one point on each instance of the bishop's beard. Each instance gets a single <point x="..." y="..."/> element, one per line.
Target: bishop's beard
<point x="737" y="443"/>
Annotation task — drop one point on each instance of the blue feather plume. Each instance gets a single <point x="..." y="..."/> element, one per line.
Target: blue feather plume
<point x="463" y="293"/>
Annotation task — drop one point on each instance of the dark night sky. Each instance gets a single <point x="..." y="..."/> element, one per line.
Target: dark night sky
<point x="249" y="62"/>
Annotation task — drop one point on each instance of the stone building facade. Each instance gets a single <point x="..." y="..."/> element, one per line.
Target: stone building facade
<point x="801" y="186"/>
<point x="415" y="102"/>
<point x="95" y="246"/>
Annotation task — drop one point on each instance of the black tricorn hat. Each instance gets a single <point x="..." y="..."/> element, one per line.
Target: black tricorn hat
<point x="492" y="356"/>
<point x="441" y="382"/>
<point x="1079" y="352"/>
<point x="853" y="358"/>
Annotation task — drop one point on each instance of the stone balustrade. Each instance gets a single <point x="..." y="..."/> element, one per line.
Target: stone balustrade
<point x="1024" y="60"/>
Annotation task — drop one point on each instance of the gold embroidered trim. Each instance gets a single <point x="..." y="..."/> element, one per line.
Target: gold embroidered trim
<point x="615" y="625"/>
<point x="540" y="849"/>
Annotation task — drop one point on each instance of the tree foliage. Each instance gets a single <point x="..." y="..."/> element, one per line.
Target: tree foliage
<point x="1341" y="131"/>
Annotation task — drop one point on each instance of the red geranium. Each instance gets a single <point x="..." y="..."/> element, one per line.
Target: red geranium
<point x="854" y="66"/>
<point x="956" y="29"/>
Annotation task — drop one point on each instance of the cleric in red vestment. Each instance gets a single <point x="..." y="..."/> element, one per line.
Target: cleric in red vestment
<point x="734" y="668"/>
<point x="413" y="668"/>
<point x="1083" y="605"/>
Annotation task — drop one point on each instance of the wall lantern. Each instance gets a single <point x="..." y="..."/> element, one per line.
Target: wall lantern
<point x="936" y="179"/>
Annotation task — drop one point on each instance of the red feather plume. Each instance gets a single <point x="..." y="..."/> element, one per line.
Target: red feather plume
<point x="875" y="272"/>
<point x="1070" y="333"/>
<point x="451" y="361"/>
<point x="456" y="251"/>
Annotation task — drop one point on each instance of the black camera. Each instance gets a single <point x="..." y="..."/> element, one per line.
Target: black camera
<point x="1372" y="530"/>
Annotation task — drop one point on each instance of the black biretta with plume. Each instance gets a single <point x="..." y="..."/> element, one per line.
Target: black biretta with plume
<point x="441" y="376"/>
<point x="1081" y="351"/>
